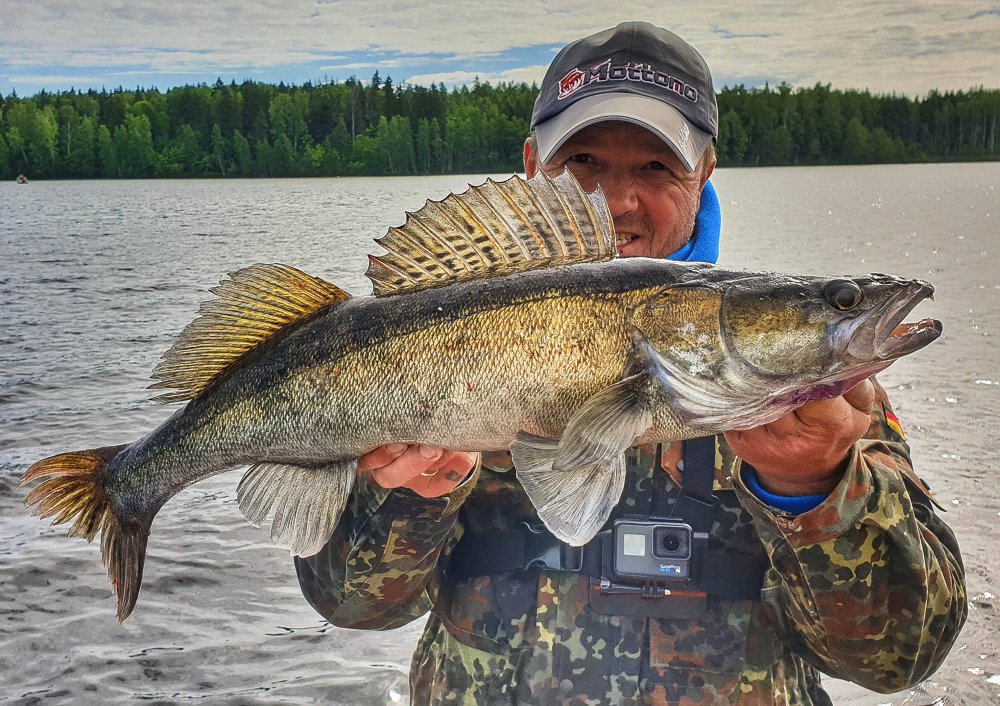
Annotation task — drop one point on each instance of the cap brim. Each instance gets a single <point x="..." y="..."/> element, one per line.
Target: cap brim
<point x="688" y="141"/>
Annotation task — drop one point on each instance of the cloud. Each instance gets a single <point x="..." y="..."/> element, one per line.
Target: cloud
<point x="895" y="45"/>
<point x="526" y="74"/>
<point x="994" y="12"/>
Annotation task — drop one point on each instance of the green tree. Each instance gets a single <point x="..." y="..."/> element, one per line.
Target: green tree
<point x="191" y="106"/>
<point x="139" y="155"/>
<point x="423" y="152"/>
<point x="107" y="161"/>
<point x="183" y="156"/>
<point x="31" y="135"/>
<point x="287" y="117"/>
<point x="154" y="108"/>
<point x="16" y="155"/>
<point x="219" y="148"/>
<point x="244" y="158"/>
<point x="228" y="109"/>
<point x="856" y="142"/>
<point x="284" y="162"/>
<point x="81" y="161"/>
<point x="733" y="139"/>
<point x="264" y="157"/>
<point x="6" y="166"/>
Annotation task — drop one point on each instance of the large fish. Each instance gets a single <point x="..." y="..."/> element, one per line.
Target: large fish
<point x="501" y="318"/>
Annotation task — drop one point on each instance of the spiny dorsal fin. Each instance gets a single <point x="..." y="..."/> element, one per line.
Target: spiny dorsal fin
<point x="251" y="306"/>
<point x="498" y="228"/>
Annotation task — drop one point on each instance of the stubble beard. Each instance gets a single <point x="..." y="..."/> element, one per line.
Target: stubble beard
<point x="645" y="244"/>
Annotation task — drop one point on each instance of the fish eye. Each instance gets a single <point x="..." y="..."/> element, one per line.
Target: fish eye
<point x="843" y="294"/>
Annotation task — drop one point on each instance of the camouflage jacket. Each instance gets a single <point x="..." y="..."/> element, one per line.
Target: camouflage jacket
<point x="868" y="587"/>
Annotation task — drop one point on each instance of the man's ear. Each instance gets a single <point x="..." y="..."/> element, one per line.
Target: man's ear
<point x="709" y="168"/>
<point x="530" y="158"/>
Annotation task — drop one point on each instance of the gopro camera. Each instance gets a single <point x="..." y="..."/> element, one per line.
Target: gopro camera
<point x="652" y="549"/>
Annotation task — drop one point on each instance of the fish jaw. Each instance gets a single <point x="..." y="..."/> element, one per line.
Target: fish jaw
<point x="880" y="336"/>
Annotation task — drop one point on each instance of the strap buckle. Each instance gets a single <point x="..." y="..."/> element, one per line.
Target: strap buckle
<point x="541" y="548"/>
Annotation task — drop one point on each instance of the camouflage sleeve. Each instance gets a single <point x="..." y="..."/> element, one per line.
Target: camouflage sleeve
<point x="379" y="568"/>
<point x="870" y="583"/>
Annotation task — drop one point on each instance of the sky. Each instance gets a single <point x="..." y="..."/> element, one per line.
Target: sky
<point x="902" y="47"/>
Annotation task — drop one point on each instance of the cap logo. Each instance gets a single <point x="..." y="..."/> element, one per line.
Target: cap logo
<point x="606" y="71"/>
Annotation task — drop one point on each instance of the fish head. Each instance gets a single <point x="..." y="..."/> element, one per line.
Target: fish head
<point x="738" y="350"/>
<point x="819" y="331"/>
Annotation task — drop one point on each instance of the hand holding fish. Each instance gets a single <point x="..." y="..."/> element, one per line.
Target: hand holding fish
<point x="803" y="452"/>
<point x="428" y="471"/>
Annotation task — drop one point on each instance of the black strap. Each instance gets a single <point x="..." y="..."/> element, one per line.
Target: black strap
<point x="694" y="502"/>
<point x="723" y="574"/>
<point x="480" y="554"/>
<point x="699" y="468"/>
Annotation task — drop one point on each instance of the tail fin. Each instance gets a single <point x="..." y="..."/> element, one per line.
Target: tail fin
<point x="74" y="487"/>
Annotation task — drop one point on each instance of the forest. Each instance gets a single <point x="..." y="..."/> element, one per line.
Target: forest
<point x="379" y="128"/>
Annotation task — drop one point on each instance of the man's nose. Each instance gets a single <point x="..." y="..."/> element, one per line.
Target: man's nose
<point x="620" y="192"/>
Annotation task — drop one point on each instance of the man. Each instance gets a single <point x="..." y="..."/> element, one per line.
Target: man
<point x="821" y="550"/>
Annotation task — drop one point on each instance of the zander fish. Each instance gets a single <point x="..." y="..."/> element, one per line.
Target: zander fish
<point x="501" y="319"/>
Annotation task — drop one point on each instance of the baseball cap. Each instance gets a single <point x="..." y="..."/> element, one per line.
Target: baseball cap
<point x="635" y="72"/>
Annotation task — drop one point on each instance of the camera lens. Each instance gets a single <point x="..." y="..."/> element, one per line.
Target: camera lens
<point x="670" y="542"/>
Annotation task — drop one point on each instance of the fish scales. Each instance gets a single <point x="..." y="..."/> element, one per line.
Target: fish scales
<point x="428" y="369"/>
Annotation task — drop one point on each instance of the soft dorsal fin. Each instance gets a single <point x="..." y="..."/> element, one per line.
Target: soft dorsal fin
<point x="251" y="306"/>
<point x="498" y="228"/>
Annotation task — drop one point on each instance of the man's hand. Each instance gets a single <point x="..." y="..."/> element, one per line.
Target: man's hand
<point x="804" y="452"/>
<point x="426" y="470"/>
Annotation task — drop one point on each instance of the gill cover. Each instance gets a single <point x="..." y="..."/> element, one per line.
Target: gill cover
<point x="781" y="327"/>
<point x="700" y="368"/>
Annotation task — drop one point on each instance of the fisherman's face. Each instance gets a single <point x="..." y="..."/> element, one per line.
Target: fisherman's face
<point x="652" y="197"/>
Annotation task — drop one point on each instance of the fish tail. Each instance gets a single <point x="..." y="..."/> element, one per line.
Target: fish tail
<point x="74" y="487"/>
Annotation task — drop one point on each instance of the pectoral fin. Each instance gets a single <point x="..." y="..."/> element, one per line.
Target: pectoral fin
<point x="574" y="483"/>
<point x="306" y="503"/>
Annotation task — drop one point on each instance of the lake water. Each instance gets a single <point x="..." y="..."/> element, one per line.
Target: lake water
<point x="96" y="279"/>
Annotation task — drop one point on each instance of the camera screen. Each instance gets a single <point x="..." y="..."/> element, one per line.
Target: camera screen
<point x="634" y="544"/>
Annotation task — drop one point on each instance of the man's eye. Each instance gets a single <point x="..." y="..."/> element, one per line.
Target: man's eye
<point x="658" y="165"/>
<point x="581" y="158"/>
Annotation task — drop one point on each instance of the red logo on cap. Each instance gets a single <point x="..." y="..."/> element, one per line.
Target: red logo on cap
<point x="570" y="83"/>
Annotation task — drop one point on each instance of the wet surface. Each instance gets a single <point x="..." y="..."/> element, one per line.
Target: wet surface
<point x="98" y="277"/>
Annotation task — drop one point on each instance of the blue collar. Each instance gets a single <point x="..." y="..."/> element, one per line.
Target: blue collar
<point x="704" y="244"/>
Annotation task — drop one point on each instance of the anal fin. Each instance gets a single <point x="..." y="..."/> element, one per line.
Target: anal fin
<point x="305" y="503"/>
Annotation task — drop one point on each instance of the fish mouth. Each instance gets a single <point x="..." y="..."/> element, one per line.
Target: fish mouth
<point x="882" y="336"/>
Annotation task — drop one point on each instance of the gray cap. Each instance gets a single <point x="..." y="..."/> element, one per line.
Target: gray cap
<point x="638" y="73"/>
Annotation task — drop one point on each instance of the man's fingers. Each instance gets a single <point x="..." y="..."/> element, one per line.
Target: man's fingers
<point x="861" y="396"/>
<point x="416" y="459"/>
<point x="382" y="456"/>
<point x="426" y="470"/>
<point x="818" y="412"/>
<point x="446" y="474"/>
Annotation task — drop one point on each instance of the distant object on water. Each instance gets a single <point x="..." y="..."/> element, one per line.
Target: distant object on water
<point x="21" y="179"/>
